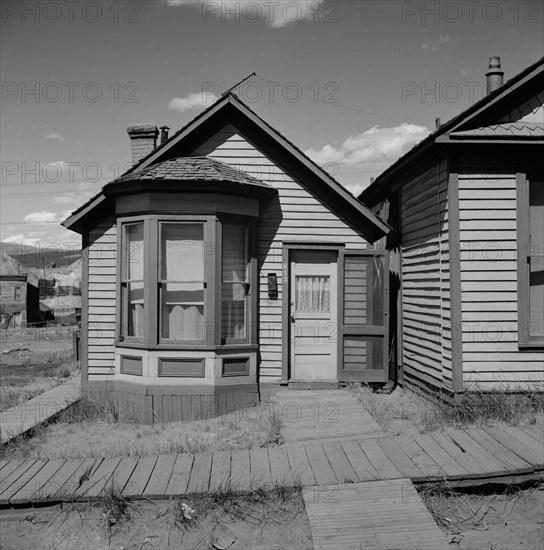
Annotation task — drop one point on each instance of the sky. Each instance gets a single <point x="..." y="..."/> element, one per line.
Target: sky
<point x="354" y="84"/>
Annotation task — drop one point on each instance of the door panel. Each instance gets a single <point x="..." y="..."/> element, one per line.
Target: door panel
<point x="364" y="317"/>
<point x="313" y="315"/>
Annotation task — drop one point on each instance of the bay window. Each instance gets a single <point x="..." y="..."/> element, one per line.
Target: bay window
<point x="132" y="281"/>
<point x="175" y="290"/>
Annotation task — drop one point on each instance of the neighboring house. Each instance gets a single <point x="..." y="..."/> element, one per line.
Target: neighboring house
<point x="19" y="295"/>
<point x="467" y="248"/>
<point x="224" y="265"/>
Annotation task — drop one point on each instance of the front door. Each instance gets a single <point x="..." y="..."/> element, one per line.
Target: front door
<point x="313" y="315"/>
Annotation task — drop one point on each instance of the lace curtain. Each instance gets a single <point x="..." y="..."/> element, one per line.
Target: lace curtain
<point x="312" y="293"/>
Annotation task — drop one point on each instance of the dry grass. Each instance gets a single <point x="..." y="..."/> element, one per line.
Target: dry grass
<point x="88" y="429"/>
<point x="402" y="408"/>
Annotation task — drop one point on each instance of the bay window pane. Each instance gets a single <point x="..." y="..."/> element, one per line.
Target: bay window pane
<point x="234" y="253"/>
<point x="181" y="281"/>
<point x="134" y="251"/>
<point x="235" y="284"/>
<point x="182" y="252"/>
<point x="136" y="319"/>
<point x="233" y="313"/>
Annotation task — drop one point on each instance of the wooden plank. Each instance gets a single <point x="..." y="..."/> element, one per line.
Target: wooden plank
<point x="10" y="466"/>
<point x="299" y="465"/>
<point x="400" y="459"/>
<point x="523" y="437"/>
<point x="536" y="459"/>
<point x="385" y="468"/>
<point x="31" y="491"/>
<point x="341" y="466"/>
<point x="359" y="462"/>
<point x="200" y="474"/>
<point x="451" y="468"/>
<point x="373" y="514"/>
<point x="18" y="486"/>
<point x="53" y="485"/>
<point x="98" y="480"/>
<point x="137" y="482"/>
<point x="534" y="432"/>
<point x="517" y="464"/>
<point x="260" y="467"/>
<point x="83" y="472"/>
<point x="466" y="460"/>
<point x="491" y="463"/>
<point x="240" y="473"/>
<point x="319" y="463"/>
<point x="423" y="461"/>
<point x="179" y="479"/>
<point x="220" y="474"/>
<point x="158" y="482"/>
<point x="15" y="474"/>
<point x="279" y="466"/>
<point x="122" y="473"/>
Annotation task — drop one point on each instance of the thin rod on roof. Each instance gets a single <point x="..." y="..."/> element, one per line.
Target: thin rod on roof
<point x="226" y="92"/>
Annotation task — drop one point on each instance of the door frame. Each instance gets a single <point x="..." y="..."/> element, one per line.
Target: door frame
<point x="372" y="376"/>
<point x="286" y="297"/>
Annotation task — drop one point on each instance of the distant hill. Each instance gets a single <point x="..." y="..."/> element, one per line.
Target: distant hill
<point x="35" y="257"/>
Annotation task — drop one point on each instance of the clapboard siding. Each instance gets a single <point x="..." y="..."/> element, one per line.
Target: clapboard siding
<point x="488" y="240"/>
<point x="102" y="290"/>
<point x="297" y="216"/>
<point x="426" y="312"/>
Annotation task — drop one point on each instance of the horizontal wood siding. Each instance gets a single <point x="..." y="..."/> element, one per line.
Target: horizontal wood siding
<point x="425" y="278"/>
<point x="294" y="216"/>
<point x="102" y="280"/>
<point x="488" y="241"/>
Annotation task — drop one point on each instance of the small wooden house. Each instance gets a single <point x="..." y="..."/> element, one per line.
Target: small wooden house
<point x="224" y="265"/>
<point x="467" y="247"/>
<point x="19" y="295"/>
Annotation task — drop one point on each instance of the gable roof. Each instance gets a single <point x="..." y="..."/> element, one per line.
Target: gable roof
<point x="229" y="109"/>
<point x="484" y="113"/>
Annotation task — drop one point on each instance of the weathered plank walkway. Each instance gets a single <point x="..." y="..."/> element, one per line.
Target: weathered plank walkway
<point x="24" y="417"/>
<point x="463" y="457"/>
<point x="376" y="515"/>
<point x="323" y="415"/>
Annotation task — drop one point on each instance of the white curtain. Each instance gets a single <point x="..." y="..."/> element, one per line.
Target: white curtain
<point x="312" y="293"/>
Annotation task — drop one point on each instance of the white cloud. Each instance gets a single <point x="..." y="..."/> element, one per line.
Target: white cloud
<point x="436" y="44"/>
<point x="276" y="14"/>
<point x="194" y="101"/>
<point x="53" y="135"/>
<point x="20" y="238"/>
<point x="376" y="145"/>
<point x="73" y="198"/>
<point x="43" y="216"/>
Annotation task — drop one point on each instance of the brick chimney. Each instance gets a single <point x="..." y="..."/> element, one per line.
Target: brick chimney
<point x="143" y="140"/>
<point x="494" y="76"/>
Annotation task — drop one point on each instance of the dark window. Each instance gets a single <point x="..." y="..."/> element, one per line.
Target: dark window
<point x="530" y="261"/>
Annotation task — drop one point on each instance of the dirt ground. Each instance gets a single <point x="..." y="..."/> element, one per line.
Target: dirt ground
<point x="34" y="361"/>
<point x="253" y="524"/>
<point x="508" y="520"/>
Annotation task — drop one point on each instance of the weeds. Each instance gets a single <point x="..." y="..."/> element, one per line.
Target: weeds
<point x="475" y="407"/>
<point x="116" y="507"/>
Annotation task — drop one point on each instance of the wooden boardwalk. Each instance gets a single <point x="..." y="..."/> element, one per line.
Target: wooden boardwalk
<point x="27" y="415"/>
<point x="323" y="415"/>
<point x="376" y="515"/>
<point x="463" y="457"/>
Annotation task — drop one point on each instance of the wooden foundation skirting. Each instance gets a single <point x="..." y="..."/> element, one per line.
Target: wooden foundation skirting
<point x="158" y="404"/>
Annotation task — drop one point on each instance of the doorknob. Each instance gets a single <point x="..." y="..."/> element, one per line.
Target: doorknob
<point x="292" y="318"/>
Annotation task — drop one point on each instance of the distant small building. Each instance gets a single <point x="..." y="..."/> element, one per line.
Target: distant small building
<point x="19" y="295"/>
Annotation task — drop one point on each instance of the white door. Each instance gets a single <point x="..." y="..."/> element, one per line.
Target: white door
<point x="313" y="315"/>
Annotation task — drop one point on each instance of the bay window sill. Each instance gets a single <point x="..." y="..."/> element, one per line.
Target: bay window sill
<point x="188" y="347"/>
